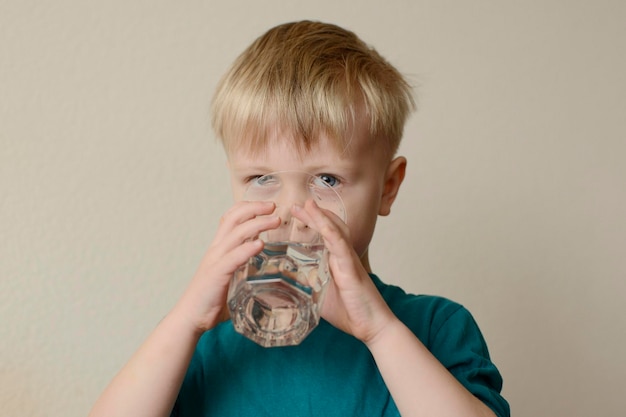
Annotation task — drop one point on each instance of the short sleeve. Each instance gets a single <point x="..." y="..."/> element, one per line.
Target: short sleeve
<point x="459" y="345"/>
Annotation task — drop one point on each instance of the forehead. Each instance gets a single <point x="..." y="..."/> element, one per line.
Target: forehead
<point x="280" y="153"/>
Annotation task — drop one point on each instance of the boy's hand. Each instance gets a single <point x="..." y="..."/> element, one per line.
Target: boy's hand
<point x="203" y="304"/>
<point x="353" y="303"/>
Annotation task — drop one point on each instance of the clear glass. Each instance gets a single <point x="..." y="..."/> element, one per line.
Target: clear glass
<point x="276" y="297"/>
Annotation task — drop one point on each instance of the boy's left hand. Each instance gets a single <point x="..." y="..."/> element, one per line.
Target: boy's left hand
<point x="352" y="302"/>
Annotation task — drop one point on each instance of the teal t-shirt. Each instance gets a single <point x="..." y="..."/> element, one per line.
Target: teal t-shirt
<point x="331" y="373"/>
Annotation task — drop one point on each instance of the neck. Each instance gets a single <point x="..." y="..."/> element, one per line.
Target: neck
<point x="365" y="261"/>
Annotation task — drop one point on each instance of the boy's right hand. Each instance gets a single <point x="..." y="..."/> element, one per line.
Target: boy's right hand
<point x="203" y="304"/>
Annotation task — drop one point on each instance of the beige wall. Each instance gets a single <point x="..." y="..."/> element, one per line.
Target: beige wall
<point x="111" y="184"/>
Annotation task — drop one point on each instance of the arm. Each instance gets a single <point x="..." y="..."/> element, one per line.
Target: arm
<point x="419" y="384"/>
<point x="149" y="383"/>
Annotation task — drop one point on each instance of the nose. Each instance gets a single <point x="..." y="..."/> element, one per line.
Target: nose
<point x="292" y="191"/>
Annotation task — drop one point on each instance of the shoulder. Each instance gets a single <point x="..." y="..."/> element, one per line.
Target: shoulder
<point x="444" y="326"/>
<point x="425" y="315"/>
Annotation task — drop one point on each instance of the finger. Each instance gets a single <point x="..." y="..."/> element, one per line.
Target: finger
<point x="230" y="239"/>
<point x="239" y="226"/>
<point x="241" y="213"/>
<point x="330" y="226"/>
<point x="343" y="260"/>
<point x="227" y="262"/>
<point x="246" y="210"/>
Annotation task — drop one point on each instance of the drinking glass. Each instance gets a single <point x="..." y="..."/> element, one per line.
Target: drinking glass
<point x="275" y="298"/>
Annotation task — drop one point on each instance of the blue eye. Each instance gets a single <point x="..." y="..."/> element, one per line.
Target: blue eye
<point x="265" y="180"/>
<point x="262" y="180"/>
<point x="329" y="180"/>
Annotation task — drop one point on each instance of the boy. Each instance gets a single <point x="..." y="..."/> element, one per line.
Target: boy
<point x="311" y="97"/>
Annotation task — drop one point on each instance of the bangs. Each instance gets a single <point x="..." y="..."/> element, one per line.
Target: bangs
<point x="248" y="119"/>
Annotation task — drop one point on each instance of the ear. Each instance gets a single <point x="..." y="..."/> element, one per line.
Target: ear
<point x="393" y="179"/>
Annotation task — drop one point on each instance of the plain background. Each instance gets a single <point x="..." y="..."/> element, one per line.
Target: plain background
<point x="111" y="182"/>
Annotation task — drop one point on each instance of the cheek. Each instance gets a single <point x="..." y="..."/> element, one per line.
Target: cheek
<point x="238" y="191"/>
<point x="362" y="205"/>
<point x="361" y="227"/>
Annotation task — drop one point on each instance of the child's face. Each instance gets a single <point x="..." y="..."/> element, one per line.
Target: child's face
<point x="359" y="176"/>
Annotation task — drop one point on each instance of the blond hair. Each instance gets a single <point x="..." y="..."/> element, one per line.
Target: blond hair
<point x="308" y="78"/>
